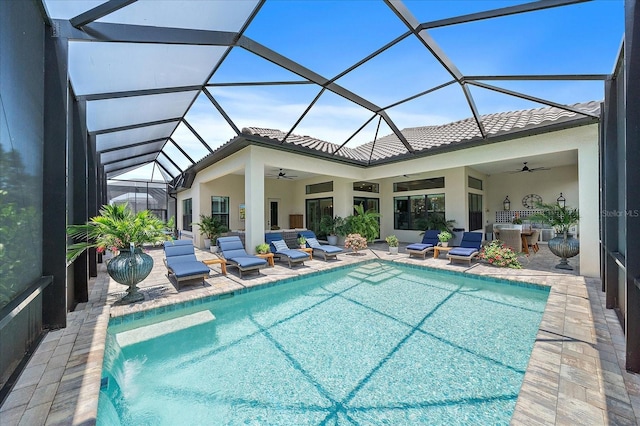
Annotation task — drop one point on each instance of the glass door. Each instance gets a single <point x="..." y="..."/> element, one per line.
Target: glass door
<point x="315" y="209"/>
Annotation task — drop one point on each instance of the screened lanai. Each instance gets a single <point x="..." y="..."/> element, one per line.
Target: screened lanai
<point x="165" y="86"/>
<point x="141" y="92"/>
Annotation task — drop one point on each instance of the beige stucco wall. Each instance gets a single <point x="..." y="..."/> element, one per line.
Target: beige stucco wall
<point x="578" y="184"/>
<point x="548" y="184"/>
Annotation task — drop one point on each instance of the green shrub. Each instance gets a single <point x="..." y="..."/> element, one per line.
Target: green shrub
<point x="498" y="254"/>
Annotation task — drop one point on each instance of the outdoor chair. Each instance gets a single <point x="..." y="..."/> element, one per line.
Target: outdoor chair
<point x="325" y="250"/>
<point x="282" y="252"/>
<point x="512" y="238"/>
<point x="180" y="260"/>
<point x="468" y="249"/>
<point x="231" y="250"/>
<point x="429" y="241"/>
<point x="532" y="240"/>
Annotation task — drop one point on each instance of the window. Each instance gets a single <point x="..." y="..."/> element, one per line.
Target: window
<point x="366" y="187"/>
<point x="220" y="209"/>
<point x="187" y="214"/>
<point x="414" y="185"/>
<point x="475" y="212"/>
<point x="413" y="212"/>
<point x="320" y="187"/>
<point x="474" y="183"/>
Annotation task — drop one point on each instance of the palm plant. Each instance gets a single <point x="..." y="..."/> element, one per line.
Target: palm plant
<point x="559" y="217"/>
<point x="211" y="227"/>
<point x="115" y="229"/>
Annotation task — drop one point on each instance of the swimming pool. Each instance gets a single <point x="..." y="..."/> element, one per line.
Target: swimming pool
<point x="378" y="343"/>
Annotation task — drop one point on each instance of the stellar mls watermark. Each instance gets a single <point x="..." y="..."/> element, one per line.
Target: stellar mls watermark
<point x="620" y="213"/>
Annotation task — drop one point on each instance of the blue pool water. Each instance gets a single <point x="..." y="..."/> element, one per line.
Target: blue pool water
<point x="373" y="344"/>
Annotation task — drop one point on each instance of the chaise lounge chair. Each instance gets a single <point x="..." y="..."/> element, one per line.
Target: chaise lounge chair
<point x="234" y="254"/>
<point x="429" y="241"/>
<point x="282" y="251"/>
<point x="180" y="260"/>
<point x="325" y="250"/>
<point x="469" y="247"/>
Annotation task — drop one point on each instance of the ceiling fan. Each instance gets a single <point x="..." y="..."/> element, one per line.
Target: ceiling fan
<point x="526" y="168"/>
<point x="282" y="175"/>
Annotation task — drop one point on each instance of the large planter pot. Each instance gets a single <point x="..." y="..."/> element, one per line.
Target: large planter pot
<point x="207" y="243"/>
<point x="393" y="250"/>
<point x="129" y="269"/>
<point x="332" y="240"/>
<point x="564" y="248"/>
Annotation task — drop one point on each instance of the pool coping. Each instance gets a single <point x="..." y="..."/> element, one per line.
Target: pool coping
<point x="575" y="373"/>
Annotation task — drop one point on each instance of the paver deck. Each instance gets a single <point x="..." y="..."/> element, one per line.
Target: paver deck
<point x="575" y="376"/>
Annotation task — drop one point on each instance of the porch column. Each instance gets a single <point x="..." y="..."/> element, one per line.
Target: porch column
<point x="588" y="189"/>
<point x="254" y="201"/>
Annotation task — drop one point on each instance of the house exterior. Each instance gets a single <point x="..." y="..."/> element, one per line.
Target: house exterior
<point x="452" y="171"/>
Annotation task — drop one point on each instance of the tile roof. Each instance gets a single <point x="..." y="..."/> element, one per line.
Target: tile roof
<point x="425" y="138"/>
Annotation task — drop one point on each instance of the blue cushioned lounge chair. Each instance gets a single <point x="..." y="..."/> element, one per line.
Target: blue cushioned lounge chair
<point x="234" y="254"/>
<point x="325" y="250"/>
<point x="468" y="249"/>
<point x="429" y="241"/>
<point x="281" y="251"/>
<point x="180" y="260"/>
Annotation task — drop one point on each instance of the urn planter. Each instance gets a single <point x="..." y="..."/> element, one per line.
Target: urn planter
<point x="130" y="268"/>
<point x="564" y="247"/>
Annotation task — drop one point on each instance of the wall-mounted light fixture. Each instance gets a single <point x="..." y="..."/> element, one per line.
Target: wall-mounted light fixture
<point x="562" y="202"/>
<point x="506" y="204"/>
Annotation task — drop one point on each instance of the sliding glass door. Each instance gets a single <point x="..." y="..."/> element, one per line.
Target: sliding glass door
<point x="315" y="209"/>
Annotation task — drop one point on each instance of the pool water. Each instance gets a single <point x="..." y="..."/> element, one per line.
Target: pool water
<point x="378" y="343"/>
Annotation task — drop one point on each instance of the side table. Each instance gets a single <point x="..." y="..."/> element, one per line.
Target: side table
<point x="268" y="256"/>
<point x="308" y="250"/>
<point x="220" y="262"/>
<point x="438" y="249"/>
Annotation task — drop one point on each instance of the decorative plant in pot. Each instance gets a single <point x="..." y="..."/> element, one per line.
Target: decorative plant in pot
<point x="393" y="242"/>
<point x="122" y="232"/>
<point x="364" y="223"/>
<point x="444" y="237"/>
<point x="263" y="248"/>
<point x="561" y="219"/>
<point x="302" y="242"/>
<point x="331" y="227"/>
<point x="211" y="227"/>
<point x="355" y="242"/>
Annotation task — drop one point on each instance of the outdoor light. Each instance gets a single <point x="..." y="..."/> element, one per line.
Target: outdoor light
<point x="506" y="203"/>
<point x="561" y="200"/>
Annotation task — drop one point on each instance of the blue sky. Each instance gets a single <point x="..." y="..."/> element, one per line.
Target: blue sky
<point x="331" y="36"/>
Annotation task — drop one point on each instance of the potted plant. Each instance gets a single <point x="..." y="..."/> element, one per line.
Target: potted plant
<point x="355" y="242"/>
<point x="331" y="227"/>
<point x="364" y="223"/>
<point x="263" y="248"/>
<point x="211" y="228"/>
<point x="122" y="232"/>
<point x="393" y="242"/>
<point x="444" y="237"/>
<point x="302" y="241"/>
<point x="561" y="218"/>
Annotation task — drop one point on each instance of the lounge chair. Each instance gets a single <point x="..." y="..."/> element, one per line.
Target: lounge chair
<point x="468" y="249"/>
<point x="282" y="251"/>
<point x="429" y="241"/>
<point x="325" y="250"/>
<point x="234" y="254"/>
<point x="180" y="260"/>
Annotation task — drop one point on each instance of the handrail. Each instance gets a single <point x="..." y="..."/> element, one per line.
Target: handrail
<point x="14" y="307"/>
